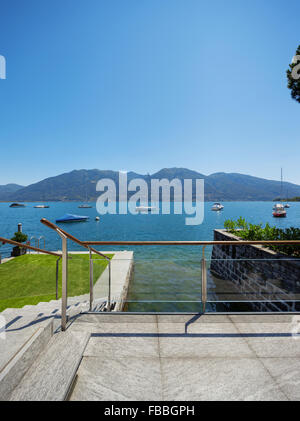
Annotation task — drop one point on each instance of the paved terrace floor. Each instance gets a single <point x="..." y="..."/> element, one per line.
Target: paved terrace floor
<point x="183" y="357"/>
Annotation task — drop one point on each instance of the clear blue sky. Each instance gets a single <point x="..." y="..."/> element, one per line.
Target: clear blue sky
<point x="145" y="84"/>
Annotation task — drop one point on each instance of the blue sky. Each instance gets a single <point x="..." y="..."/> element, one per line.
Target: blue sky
<point x="145" y="84"/>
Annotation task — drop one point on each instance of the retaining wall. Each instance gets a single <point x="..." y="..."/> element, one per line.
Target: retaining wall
<point x="272" y="279"/>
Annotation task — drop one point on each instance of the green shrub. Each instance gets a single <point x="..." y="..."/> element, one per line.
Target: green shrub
<point x="230" y="225"/>
<point x="256" y="232"/>
<point x="19" y="237"/>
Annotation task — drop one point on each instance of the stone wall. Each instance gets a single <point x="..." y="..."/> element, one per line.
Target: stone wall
<point x="275" y="278"/>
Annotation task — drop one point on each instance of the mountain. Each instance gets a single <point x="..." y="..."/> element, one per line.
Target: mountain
<point x="233" y="186"/>
<point x="8" y="189"/>
<point x="81" y="185"/>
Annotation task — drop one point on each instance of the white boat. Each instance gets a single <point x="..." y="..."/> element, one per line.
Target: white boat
<point x="145" y="208"/>
<point x="41" y="206"/>
<point x="85" y="206"/>
<point x="217" y="207"/>
<point x="287" y="205"/>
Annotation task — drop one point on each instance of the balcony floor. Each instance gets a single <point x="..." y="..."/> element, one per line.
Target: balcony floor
<point x="186" y="357"/>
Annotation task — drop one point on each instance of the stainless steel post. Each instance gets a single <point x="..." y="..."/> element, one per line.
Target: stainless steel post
<point x="42" y="238"/>
<point x="204" y="280"/>
<point x="57" y="270"/>
<point x="64" y="286"/>
<point x="91" y="281"/>
<point x="109" y="286"/>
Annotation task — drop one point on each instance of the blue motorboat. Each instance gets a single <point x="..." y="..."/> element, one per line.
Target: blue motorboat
<point x="72" y="218"/>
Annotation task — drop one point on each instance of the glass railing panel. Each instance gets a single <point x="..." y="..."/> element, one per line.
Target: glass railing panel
<point x="78" y="279"/>
<point x="27" y="280"/>
<point x="253" y="284"/>
<point x="152" y="285"/>
<point x="101" y="281"/>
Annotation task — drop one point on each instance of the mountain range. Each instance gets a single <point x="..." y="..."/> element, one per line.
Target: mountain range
<point x="80" y="185"/>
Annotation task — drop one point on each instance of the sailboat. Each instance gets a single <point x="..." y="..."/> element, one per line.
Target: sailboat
<point x="279" y="209"/>
<point x="85" y="205"/>
<point x="287" y="205"/>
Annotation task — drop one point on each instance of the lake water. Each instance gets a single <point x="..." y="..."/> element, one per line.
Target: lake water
<point x="162" y="273"/>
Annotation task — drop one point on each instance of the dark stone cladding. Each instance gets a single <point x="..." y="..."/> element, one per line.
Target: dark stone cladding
<point x="258" y="272"/>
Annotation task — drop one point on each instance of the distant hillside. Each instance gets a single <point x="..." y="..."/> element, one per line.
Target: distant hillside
<point x="8" y="189"/>
<point x="81" y="185"/>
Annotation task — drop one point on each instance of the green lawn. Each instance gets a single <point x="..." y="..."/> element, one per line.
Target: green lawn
<point x="30" y="279"/>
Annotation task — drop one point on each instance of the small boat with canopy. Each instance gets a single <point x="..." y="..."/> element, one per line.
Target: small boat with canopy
<point x="72" y="218"/>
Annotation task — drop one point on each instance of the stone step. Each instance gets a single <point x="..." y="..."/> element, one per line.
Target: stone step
<point x="51" y="375"/>
<point x="23" y="340"/>
<point x="48" y="307"/>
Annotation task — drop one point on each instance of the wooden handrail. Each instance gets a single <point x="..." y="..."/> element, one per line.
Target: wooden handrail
<point x="21" y="245"/>
<point x="86" y="244"/>
<point x="71" y="237"/>
<point x="192" y="243"/>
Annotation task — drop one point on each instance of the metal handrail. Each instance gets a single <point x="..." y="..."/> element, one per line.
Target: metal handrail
<point x="197" y="243"/>
<point x="21" y="245"/>
<point x="40" y="238"/>
<point x="71" y="237"/>
<point x="31" y="238"/>
<point x="192" y="243"/>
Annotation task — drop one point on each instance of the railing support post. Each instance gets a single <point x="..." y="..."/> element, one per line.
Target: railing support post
<point x="64" y="286"/>
<point x="109" y="286"/>
<point x="204" y="280"/>
<point x="64" y="292"/>
<point x="91" y="281"/>
<point x="56" y="283"/>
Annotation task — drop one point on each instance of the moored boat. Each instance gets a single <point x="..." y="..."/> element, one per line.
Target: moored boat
<point x="17" y="205"/>
<point x="145" y="208"/>
<point x="279" y="211"/>
<point x="72" y="218"/>
<point x="217" y="207"/>
<point x="41" y="206"/>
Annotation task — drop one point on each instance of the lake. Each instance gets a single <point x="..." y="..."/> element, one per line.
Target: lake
<point x="162" y="273"/>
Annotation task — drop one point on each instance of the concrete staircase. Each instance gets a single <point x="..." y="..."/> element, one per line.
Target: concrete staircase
<point x="52" y="308"/>
<point x="51" y="375"/>
<point x="34" y="353"/>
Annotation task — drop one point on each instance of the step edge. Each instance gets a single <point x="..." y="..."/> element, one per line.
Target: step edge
<point x="18" y="365"/>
